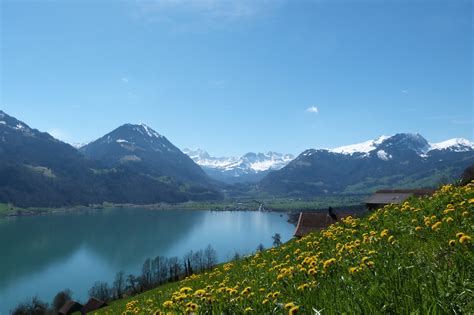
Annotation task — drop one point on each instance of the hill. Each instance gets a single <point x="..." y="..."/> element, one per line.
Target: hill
<point x="412" y="258"/>
<point x="402" y="160"/>
<point x="37" y="170"/>
<point x="140" y="149"/>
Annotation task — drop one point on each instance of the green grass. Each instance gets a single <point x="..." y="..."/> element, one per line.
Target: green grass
<point x="405" y="259"/>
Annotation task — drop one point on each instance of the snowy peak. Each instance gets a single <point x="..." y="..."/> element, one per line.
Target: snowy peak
<point x="140" y="129"/>
<point x="363" y="147"/>
<point x="386" y="147"/>
<point x="455" y="144"/>
<point x="248" y="163"/>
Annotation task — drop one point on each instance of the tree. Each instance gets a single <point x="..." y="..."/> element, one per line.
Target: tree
<point x="210" y="257"/>
<point x="276" y="239"/>
<point x="159" y="269"/>
<point x="260" y="247"/>
<point x="119" y="285"/>
<point x="147" y="275"/>
<point x="133" y="285"/>
<point x="100" y="290"/>
<point x="188" y="268"/>
<point x="236" y="256"/>
<point x="33" y="307"/>
<point x="175" y="268"/>
<point x="60" y="299"/>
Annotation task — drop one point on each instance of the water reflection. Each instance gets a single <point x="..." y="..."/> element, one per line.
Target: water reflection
<point x="44" y="254"/>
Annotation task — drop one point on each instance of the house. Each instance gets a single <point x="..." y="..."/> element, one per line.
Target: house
<point x="313" y="221"/>
<point x="92" y="305"/>
<point x="388" y="196"/>
<point x="70" y="307"/>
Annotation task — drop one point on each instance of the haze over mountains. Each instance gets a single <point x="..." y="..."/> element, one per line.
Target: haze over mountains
<point x="135" y="164"/>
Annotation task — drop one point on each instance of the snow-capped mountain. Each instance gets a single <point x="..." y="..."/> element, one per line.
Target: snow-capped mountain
<point x="141" y="149"/>
<point x="250" y="167"/>
<point x="406" y="141"/>
<point x="388" y="161"/>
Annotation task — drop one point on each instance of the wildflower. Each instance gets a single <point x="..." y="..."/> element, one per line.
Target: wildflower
<point x="436" y="226"/>
<point x="185" y="290"/>
<point x="293" y="310"/>
<point x="265" y="301"/>
<point x="459" y="235"/>
<point x="248" y="310"/>
<point x="167" y="304"/>
<point x="465" y="214"/>
<point x="289" y="305"/>
<point x="452" y="242"/>
<point x="449" y="220"/>
<point x="329" y="262"/>
<point x="418" y="228"/>
<point x="384" y="233"/>
<point x="391" y="238"/>
<point x="353" y="270"/>
<point x="311" y="271"/>
<point x="303" y="286"/>
<point x="464" y="238"/>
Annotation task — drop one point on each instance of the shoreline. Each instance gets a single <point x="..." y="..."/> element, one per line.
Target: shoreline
<point x="289" y="205"/>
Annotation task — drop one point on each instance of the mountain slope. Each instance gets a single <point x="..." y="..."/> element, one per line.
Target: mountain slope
<point x="41" y="171"/>
<point x="250" y="167"/>
<point x="140" y="149"/>
<point x="405" y="160"/>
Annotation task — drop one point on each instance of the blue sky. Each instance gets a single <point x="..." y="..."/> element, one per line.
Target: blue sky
<point x="238" y="76"/>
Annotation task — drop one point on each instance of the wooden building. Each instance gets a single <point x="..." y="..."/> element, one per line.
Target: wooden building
<point x="313" y="221"/>
<point x="396" y="196"/>
<point x="92" y="305"/>
<point x="70" y="307"/>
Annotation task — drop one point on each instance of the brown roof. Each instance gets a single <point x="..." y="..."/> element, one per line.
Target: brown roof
<point x="416" y="192"/>
<point x="70" y="307"/>
<point x="388" y="196"/>
<point x="92" y="305"/>
<point x="314" y="221"/>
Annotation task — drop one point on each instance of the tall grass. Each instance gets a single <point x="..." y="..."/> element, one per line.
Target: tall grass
<point x="414" y="258"/>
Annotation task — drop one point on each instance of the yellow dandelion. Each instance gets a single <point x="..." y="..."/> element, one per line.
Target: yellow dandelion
<point x="464" y="239"/>
<point x="465" y="214"/>
<point x="293" y="310"/>
<point x="436" y="226"/>
<point x="418" y="228"/>
<point x="459" y="235"/>
<point x="452" y="242"/>
<point x="289" y="305"/>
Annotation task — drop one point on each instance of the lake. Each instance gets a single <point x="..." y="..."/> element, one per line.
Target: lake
<point x="41" y="255"/>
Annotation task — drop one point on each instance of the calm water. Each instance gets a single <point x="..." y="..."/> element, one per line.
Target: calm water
<point x="41" y="255"/>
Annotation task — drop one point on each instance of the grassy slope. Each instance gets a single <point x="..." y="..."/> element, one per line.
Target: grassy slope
<point x="379" y="263"/>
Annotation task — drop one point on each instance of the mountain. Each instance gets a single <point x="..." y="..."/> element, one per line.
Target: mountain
<point x="39" y="170"/>
<point x="140" y="149"/>
<point x="250" y="167"/>
<point x="401" y="160"/>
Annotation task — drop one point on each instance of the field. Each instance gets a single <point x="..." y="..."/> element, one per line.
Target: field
<point x="414" y="258"/>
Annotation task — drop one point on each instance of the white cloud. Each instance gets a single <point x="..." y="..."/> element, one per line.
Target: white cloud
<point x="312" y="109"/>
<point x="124" y="79"/>
<point x="404" y="91"/>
